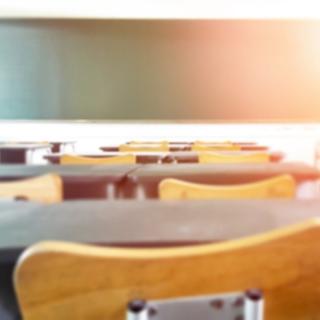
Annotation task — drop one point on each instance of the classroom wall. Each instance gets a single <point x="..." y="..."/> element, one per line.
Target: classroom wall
<point x="149" y="69"/>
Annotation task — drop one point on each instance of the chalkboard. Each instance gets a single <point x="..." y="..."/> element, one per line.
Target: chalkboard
<point x="159" y="69"/>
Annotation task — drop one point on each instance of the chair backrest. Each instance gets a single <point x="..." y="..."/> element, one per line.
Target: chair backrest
<point x="283" y="186"/>
<point x="132" y="143"/>
<point x="212" y="142"/>
<point x="46" y="189"/>
<point x="123" y="159"/>
<point x="241" y="143"/>
<point x="160" y="147"/>
<point x="68" y="281"/>
<point x="215" y="147"/>
<point x="215" y="157"/>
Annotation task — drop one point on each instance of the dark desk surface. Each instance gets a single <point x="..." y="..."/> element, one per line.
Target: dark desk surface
<point x="46" y="143"/>
<point x="79" y="181"/>
<point x="57" y="145"/>
<point x="24" y="146"/>
<point x="16" y="153"/>
<point x="149" y="176"/>
<point x="153" y="221"/>
<point x="165" y="157"/>
<point x="73" y="172"/>
<point x="224" y="173"/>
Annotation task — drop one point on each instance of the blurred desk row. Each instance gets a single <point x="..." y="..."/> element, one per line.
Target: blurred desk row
<point x="141" y="181"/>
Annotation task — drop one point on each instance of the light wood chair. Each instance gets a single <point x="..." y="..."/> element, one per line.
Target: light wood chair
<point x="162" y="147"/>
<point x="283" y="186"/>
<point x="123" y="159"/>
<point x="215" y="157"/>
<point x="132" y="143"/>
<point x="46" y="189"/>
<point x="65" y="281"/>
<point x="215" y="147"/>
<point x="212" y="142"/>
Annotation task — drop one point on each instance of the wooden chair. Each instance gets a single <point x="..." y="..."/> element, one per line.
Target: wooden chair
<point x="215" y="157"/>
<point x="124" y="159"/>
<point x="226" y="142"/>
<point x="212" y="142"/>
<point x="161" y="147"/>
<point x="46" y="189"/>
<point x="132" y="143"/>
<point x="278" y="187"/>
<point x="215" y="147"/>
<point x="65" y="281"/>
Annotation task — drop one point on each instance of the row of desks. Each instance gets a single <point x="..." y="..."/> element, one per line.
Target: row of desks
<point x="162" y="157"/>
<point x="142" y="223"/>
<point x="141" y="181"/>
<point x="184" y="146"/>
<point x="21" y="153"/>
<point x="85" y="181"/>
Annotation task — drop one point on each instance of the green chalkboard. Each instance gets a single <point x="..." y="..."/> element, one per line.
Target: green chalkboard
<point x="158" y="69"/>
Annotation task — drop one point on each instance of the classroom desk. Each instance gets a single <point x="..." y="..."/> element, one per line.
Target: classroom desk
<point x="149" y="222"/>
<point x="21" y="153"/>
<point x="160" y="157"/>
<point x="62" y="146"/>
<point x="187" y="147"/>
<point x="134" y="223"/>
<point x="251" y="143"/>
<point x="85" y="181"/>
<point x="143" y="182"/>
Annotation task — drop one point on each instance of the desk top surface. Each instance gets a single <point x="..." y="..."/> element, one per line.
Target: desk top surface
<point x="152" y="221"/>
<point x="24" y="146"/>
<point x="226" y="172"/>
<point x="66" y="171"/>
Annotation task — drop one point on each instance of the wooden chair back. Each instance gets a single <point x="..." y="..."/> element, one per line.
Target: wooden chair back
<point x="46" y="189"/>
<point x="215" y="147"/>
<point x="132" y="143"/>
<point x="161" y="147"/>
<point x="123" y="159"/>
<point x="283" y="186"/>
<point x="216" y="157"/>
<point x="69" y="281"/>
